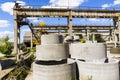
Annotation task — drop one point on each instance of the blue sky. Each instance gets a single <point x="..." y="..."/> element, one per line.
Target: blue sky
<point x="6" y="15"/>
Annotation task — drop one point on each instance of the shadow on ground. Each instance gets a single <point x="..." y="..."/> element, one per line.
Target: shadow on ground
<point x="7" y="63"/>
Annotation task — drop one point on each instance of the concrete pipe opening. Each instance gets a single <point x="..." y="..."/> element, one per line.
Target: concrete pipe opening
<point x="51" y="52"/>
<point x="65" y="71"/>
<point x="88" y="51"/>
<point x="51" y="62"/>
<point x="98" y="71"/>
<point x="51" y="39"/>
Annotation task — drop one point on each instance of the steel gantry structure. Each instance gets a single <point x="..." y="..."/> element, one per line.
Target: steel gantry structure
<point x="21" y="13"/>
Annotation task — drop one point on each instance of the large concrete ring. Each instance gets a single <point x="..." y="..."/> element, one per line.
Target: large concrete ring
<point x="88" y="51"/>
<point x="99" y="71"/>
<point x="54" y="72"/>
<point x="51" y="39"/>
<point x="51" y="52"/>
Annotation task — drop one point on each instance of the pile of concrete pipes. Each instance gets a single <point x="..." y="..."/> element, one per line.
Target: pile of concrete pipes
<point x="91" y="58"/>
<point x="92" y="62"/>
<point x="52" y="61"/>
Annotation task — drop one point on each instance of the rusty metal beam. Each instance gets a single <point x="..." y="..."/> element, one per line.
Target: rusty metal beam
<point x="77" y="27"/>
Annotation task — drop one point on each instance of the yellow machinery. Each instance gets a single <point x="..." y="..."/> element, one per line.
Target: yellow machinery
<point x="39" y="33"/>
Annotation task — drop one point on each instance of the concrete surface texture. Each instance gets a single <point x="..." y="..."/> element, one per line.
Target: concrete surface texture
<point x="98" y="71"/>
<point x="51" y="39"/>
<point x="54" y="72"/>
<point x="51" y="52"/>
<point x="52" y="62"/>
<point x="88" y="51"/>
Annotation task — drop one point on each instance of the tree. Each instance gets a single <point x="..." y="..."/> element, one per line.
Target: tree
<point x="98" y="37"/>
<point x="5" y="46"/>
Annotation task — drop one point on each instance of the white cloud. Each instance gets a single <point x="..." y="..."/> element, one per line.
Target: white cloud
<point x="116" y="2"/>
<point x="4" y="23"/>
<point x="31" y="18"/>
<point x="52" y="1"/>
<point x="26" y="30"/>
<point x="34" y="19"/>
<point x="7" y="33"/>
<point x="64" y="3"/>
<point x="99" y="21"/>
<point x="105" y="6"/>
<point x="8" y="6"/>
<point x="94" y="19"/>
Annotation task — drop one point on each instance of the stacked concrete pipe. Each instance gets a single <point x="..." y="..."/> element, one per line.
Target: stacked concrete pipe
<point x="92" y="62"/>
<point x="88" y="51"/>
<point x="51" y="60"/>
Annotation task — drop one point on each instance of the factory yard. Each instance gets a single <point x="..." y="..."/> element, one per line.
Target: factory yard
<point x="61" y="44"/>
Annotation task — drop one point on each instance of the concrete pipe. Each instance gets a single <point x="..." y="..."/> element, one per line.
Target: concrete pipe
<point x="51" y="52"/>
<point x="69" y="39"/>
<point x="51" y="39"/>
<point x="54" y="72"/>
<point x="88" y="51"/>
<point x="98" y="71"/>
<point x="76" y="37"/>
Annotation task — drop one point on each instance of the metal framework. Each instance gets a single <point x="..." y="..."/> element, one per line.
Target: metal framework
<point x="21" y="13"/>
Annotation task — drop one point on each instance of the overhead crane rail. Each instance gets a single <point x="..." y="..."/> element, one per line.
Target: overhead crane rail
<point x="75" y="27"/>
<point x="56" y="12"/>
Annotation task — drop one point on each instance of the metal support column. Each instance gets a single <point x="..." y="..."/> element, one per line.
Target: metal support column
<point x="110" y="35"/>
<point x="70" y="23"/>
<point x="93" y="40"/>
<point x="31" y="40"/>
<point x="119" y="27"/>
<point x="18" y="39"/>
<point x="87" y="35"/>
<point x="16" y="36"/>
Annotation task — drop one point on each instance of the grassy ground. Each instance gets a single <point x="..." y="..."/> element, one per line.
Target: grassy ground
<point x="21" y="71"/>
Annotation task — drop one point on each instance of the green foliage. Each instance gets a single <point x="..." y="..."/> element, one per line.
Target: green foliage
<point x="5" y="46"/>
<point x="30" y="60"/>
<point x="89" y="78"/>
<point x="33" y="50"/>
<point x="23" y="47"/>
<point x="72" y="78"/>
<point x="99" y="38"/>
<point x="19" y="73"/>
<point x="80" y="35"/>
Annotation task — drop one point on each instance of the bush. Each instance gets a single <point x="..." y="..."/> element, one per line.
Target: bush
<point x="5" y="46"/>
